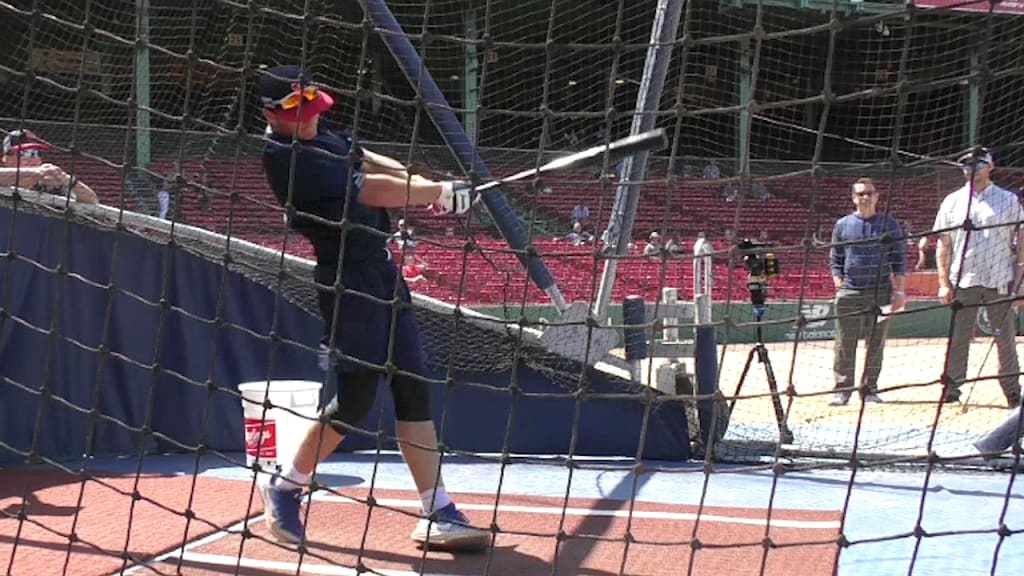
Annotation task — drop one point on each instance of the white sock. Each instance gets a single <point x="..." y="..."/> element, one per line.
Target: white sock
<point x="295" y="477"/>
<point x="434" y="499"/>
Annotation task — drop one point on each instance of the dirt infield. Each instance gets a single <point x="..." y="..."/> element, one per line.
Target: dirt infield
<point x="909" y="386"/>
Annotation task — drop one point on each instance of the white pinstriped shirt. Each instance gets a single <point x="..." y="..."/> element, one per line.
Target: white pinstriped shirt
<point x="989" y="259"/>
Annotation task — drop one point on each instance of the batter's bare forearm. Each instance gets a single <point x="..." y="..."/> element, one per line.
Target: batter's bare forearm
<point x="374" y="163"/>
<point x="21" y="177"/>
<point x="84" y="194"/>
<point x="387" y="191"/>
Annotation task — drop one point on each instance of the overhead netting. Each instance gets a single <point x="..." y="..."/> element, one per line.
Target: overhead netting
<point x="772" y="109"/>
<point x="773" y="113"/>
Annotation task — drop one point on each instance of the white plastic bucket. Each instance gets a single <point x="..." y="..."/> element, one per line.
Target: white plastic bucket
<point x="273" y="435"/>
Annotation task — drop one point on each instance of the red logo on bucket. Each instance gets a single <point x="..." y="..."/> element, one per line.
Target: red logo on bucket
<point x="260" y="438"/>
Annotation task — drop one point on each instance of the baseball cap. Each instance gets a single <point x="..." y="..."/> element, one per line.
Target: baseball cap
<point x="18" y="140"/>
<point x="282" y="88"/>
<point x="976" y="155"/>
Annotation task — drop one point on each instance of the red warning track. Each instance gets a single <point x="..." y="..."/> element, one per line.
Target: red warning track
<point x="105" y="524"/>
<point x="535" y="536"/>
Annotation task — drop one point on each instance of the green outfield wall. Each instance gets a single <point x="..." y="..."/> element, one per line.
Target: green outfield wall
<point x="922" y="319"/>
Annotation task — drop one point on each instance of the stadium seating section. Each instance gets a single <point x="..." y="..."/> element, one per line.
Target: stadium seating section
<point x="239" y="203"/>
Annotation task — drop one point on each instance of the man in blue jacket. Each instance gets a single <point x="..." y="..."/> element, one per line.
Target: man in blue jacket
<point x="868" y="267"/>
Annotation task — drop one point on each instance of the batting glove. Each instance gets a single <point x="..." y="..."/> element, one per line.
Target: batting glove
<point x="456" y="197"/>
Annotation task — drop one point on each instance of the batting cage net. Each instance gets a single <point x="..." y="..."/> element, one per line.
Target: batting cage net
<point x="817" y="268"/>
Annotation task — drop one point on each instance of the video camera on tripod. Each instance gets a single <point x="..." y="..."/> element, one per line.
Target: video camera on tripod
<point x="761" y="266"/>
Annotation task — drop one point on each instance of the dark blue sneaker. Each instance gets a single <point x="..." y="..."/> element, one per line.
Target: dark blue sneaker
<point x="281" y="509"/>
<point x="450" y="530"/>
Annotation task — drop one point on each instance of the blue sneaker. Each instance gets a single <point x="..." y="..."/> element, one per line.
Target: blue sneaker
<point x="450" y="530"/>
<point x="281" y="508"/>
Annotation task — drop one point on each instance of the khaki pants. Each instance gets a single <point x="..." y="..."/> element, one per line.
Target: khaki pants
<point x="855" y="320"/>
<point x="1003" y="320"/>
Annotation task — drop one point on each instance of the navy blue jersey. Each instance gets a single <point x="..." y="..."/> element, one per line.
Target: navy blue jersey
<point x="318" y="185"/>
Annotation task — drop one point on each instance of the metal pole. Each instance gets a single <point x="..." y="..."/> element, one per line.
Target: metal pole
<point x="634" y="169"/>
<point x="974" y="99"/>
<point x="142" y="100"/>
<point x="670" y="330"/>
<point x="470" y="77"/>
<point x="702" y="278"/>
<point x="746" y="82"/>
<point x="713" y="422"/>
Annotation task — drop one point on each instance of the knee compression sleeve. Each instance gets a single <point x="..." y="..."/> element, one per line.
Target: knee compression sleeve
<point x="412" y="399"/>
<point x="356" y="393"/>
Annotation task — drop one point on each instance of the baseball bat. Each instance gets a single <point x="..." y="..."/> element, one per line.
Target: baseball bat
<point x="998" y="440"/>
<point x="617" y="150"/>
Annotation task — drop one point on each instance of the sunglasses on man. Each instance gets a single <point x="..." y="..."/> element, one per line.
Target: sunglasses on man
<point x="972" y="166"/>
<point x="293" y="99"/>
<point x="33" y="153"/>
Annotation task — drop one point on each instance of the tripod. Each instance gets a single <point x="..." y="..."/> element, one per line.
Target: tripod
<point x="759" y="351"/>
